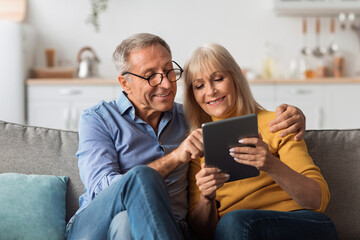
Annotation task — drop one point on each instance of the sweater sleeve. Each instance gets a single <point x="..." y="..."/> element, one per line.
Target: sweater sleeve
<point x="295" y="155"/>
<point x="194" y="193"/>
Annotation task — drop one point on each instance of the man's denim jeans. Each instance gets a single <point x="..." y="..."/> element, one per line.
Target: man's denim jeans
<point x="262" y="224"/>
<point x="143" y="194"/>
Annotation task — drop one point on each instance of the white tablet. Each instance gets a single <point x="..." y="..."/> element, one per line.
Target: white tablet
<point x="220" y="136"/>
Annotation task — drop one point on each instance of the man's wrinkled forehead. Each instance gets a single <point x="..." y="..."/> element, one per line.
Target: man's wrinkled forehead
<point x="143" y="57"/>
<point x="153" y="48"/>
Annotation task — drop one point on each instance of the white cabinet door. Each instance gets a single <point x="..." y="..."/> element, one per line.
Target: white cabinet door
<point x="51" y="113"/>
<point x="342" y="103"/>
<point x="307" y="97"/>
<point x="326" y="106"/>
<point x="61" y="106"/>
<point x="48" y="107"/>
<point x="264" y="94"/>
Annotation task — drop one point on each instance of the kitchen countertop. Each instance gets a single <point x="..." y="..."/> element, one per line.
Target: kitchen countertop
<point x="71" y="81"/>
<point x="345" y="80"/>
<point x="108" y="81"/>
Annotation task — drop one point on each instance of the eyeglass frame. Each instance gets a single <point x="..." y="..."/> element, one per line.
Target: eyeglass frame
<point x="162" y="75"/>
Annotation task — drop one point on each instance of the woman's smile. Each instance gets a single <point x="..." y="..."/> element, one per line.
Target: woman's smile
<point x="216" y="101"/>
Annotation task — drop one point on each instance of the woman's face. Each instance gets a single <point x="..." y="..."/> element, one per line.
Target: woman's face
<point x="215" y="93"/>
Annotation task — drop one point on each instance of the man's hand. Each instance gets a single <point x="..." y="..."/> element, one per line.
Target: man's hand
<point x="191" y="148"/>
<point x="289" y="118"/>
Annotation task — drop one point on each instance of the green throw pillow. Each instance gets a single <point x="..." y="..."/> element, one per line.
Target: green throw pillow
<point x="32" y="206"/>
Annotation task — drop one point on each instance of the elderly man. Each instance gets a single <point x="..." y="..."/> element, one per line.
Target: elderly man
<point x="134" y="152"/>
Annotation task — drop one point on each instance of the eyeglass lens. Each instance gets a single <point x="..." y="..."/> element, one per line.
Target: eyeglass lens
<point x="173" y="75"/>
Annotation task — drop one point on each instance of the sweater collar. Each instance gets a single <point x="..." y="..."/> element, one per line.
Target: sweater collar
<point x="231" y="114"/>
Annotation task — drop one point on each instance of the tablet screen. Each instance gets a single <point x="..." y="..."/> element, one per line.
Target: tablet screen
<point x="222" y="135"/>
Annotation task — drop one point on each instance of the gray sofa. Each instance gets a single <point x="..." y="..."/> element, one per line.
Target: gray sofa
<point x="36" y="150"/>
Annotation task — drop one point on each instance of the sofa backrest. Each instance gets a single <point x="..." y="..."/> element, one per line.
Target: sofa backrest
<point x="36" y="150"/>
<point x="337" y="153"/>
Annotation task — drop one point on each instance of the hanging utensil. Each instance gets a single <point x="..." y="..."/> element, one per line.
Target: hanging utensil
<point x="342" y="19"/>
<point x="333" y="46"/>
<point x="305" y="50"/>
<point x="352" y="21"/>
<point x="318" y="51"/>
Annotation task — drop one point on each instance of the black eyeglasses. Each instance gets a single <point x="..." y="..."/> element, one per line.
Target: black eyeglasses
<point x="155" y="79"/>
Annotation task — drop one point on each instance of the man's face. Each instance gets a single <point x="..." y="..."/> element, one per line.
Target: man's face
<point x="146" y="99"/>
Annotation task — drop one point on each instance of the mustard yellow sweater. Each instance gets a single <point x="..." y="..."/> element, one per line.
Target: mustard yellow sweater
<point x="262" y="192"/>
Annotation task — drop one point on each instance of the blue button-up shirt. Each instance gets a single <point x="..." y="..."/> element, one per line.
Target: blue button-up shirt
<point x="112" y="140"/>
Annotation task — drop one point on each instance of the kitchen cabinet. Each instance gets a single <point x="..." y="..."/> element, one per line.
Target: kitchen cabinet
<point x="309" y="98"/>
<point x="316" y="7"/>
<point x="325" y="105"/>
<point x="342" y="106"/>
<point x="60" y="106"/>
<point x="264" y="94"/>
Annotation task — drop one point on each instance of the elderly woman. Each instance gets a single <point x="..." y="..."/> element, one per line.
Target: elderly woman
<point x="286" y="200"/>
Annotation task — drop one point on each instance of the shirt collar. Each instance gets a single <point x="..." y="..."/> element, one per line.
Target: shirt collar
<point x="124" y="105"/>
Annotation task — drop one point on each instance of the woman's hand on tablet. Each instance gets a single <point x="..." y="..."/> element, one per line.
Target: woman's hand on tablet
<point x="209" y="180"/>
<point x="257" y="156"/>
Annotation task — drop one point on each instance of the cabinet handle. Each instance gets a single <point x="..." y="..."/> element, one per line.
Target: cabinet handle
<point x="299" y="91"/>
<point x="68" y="92"/>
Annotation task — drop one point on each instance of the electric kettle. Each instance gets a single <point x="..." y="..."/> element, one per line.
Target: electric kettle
<point x="88" y="62"/>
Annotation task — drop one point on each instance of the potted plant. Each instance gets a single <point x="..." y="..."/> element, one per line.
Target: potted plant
<point x="97" y="6"/>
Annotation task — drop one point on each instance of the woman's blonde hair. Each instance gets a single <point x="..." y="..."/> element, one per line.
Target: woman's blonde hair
<point x="214" y="57"/>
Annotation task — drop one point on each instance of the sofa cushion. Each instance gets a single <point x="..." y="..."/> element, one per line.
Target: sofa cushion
<point x="43" y="151"/>
<point x="32" y="206"/>
<point x="337" y="153"/>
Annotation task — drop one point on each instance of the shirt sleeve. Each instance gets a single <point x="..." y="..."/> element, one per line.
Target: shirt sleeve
<point x="97" y="157"/>
<point x="194" y="193"/>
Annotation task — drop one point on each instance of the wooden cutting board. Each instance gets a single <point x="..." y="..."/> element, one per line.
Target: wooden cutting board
<point x="13" y="10"/>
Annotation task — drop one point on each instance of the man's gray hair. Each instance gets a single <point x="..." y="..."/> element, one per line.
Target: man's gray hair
<point x="133" y="43"/>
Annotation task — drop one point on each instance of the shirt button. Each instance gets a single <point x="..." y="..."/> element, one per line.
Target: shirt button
<point x="159" y="142"/>
<point x="132" y="112"/>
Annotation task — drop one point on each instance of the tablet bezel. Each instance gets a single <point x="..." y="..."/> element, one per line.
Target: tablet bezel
<point x="220" y="136"/>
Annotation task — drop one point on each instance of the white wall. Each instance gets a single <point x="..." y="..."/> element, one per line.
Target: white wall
<point x="243" y="26"/>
